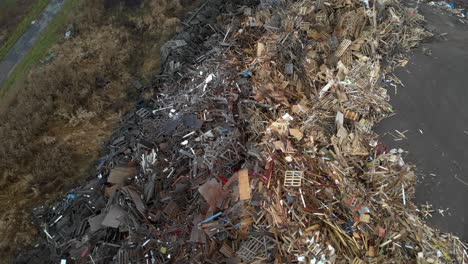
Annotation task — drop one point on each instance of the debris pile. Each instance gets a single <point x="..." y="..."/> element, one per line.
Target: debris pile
<point x="255" y="144"/>
<point x="459" y="10"/>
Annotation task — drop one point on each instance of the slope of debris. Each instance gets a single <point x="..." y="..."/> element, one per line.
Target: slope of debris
<point x="257" y="146"/>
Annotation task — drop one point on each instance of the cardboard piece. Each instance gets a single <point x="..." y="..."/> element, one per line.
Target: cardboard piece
<point x="121" y="175"/>
<point x="114" y="217"/>
<point x="211" y="191"/>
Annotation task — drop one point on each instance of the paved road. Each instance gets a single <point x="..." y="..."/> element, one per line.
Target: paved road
<point x="435" y="101"/>
<point x="25" y="43"/>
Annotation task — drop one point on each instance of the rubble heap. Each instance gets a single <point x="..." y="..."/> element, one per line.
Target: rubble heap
<point x="255" y="144"/>
<point x="451" y="7"/>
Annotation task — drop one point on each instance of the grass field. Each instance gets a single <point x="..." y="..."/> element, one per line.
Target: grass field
<point x="49" y="37"/>
<point x="15" y="18"/>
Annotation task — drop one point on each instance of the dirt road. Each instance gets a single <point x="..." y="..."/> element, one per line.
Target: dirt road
<point x="433" y="108"/>
<point x="26" y="42"/>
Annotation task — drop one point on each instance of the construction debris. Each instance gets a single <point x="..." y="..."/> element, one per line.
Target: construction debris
<point x="457" y="8"/>
<point x="258" y="147"/>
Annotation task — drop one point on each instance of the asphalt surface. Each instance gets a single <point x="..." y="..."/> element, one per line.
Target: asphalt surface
<point x="26" y="42"/>
<point x="433" y="107"/>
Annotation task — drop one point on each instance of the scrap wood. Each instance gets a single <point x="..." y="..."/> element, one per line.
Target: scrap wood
<point x="288" y="92"/>
<point x="244" y="185"/>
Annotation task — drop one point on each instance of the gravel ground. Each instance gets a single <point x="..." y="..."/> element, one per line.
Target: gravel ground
<point x="26" y="42"/>
<point x="433" y="108"/>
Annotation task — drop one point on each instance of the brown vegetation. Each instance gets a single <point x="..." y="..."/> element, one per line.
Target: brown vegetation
<point x="52" y="131"/>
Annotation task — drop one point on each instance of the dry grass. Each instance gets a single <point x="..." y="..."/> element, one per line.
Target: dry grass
<point x="64" y="111"/>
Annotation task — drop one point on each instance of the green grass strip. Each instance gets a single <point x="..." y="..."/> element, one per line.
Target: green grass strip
<point x="47" y="39"/>
<point x="23" y="26"/>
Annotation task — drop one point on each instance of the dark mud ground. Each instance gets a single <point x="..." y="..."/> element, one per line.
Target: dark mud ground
<point x="433" y="107"/>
